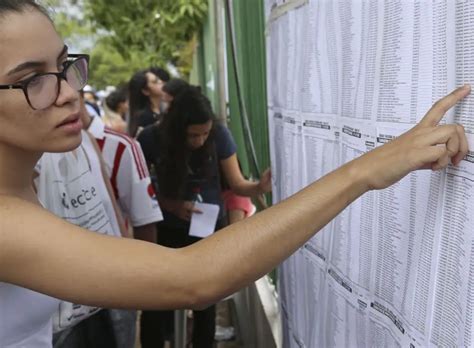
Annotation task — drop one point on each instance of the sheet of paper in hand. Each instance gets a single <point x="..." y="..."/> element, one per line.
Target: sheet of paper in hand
<point x="203" y="225"/>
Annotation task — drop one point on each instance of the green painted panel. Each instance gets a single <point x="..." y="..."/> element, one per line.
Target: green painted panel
<point x="249" y="27"/>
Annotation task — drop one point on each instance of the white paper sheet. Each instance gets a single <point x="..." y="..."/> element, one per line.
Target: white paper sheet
<point x="346" y="76"/>
<point x="203" y="225"/>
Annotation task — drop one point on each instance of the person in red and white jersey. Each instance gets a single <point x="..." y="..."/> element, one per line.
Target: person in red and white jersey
<point x="128" y="173"/>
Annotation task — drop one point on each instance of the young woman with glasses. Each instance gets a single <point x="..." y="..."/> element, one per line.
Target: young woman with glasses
<point x="41" y="254"/>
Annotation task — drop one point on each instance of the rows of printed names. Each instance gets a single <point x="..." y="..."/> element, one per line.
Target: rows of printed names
<point x="370" y="60"/>
<point x="404" y="251"/>
<point x="345" y="77"/>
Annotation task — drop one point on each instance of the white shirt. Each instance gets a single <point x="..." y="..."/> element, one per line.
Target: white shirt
<point x="72" y="187"/>
<point x="66" y="179"/>
<point x="128" y="173"/>
<point x="25" y="318"/>
<point x="96" y="170"/>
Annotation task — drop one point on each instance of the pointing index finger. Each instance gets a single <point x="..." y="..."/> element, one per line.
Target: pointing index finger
<point x="437" y="111"/>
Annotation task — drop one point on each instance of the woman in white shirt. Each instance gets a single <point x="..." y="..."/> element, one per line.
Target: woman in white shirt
<point x="39" y="112"/>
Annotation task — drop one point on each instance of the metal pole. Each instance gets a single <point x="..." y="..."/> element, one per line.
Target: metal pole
<point x="180" y="328"/>
<point x="221" y="80"/>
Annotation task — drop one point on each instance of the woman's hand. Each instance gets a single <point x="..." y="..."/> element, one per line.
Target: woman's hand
<point x="427" y="145"/>
<point x="182" y="209"/>
<point x="265" y="183"/>
<point x="185" y="210"/>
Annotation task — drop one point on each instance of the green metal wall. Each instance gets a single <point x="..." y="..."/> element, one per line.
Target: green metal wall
<point x="249" y="27"/>
<point x="249" y="32"/>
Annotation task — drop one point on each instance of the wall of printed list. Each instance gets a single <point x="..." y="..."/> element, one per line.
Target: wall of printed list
<point x="396" y="268"/>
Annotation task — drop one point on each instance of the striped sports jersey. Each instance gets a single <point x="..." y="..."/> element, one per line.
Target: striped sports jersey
<point x="128" y="173"/>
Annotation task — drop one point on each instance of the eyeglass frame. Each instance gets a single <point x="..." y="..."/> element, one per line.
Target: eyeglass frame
<point x="23" y="85"/>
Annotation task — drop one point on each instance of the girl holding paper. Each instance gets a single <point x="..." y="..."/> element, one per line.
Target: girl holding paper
<point x="189" y="151"/>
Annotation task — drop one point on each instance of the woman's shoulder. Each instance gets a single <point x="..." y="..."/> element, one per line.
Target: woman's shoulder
<point x="149" y="134"/>
<point x="224" y="141"/>
<point x="221" y="134"/>
<point x="149" y="139"/>
<point x="220" y="128"/>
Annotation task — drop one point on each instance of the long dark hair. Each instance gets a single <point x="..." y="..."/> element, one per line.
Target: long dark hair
<point x="20" y="6"/>
<point x="174" y="86"/>
<point x="190" y="107"/>
<point x="138" y="102"/>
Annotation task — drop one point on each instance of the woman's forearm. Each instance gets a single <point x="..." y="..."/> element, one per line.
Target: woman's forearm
<point x="245" y="251"/>
<point x="247" y="188"/>
<point x="253" y="247"/>
<point x="49" y="255"/>
<point x="238" y="184"/>
<point x="133" y="274"/>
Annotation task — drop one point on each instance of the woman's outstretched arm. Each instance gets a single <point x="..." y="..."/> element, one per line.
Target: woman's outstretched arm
<point x="44" y="253"/>
<point x="239" y="184"/>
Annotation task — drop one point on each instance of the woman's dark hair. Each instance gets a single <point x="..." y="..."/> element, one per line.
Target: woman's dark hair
<point x="138" y="102"/>
<point x="117" y="97"/>
<point x="20" y="6"/>
<point x="174" y="86"/>
<point x="190" y="107"/>
<point x="162" y="74"/>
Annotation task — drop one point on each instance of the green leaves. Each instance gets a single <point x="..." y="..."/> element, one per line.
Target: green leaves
<point x="160" y="30"/>
<point x="109" y="67"/>
<point x="126" y="36"/>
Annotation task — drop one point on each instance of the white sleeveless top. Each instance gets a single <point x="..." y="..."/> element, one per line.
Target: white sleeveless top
<point x="25" y="318"/>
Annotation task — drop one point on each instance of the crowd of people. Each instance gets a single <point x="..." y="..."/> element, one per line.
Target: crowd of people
<point x="164" y="126"/>
<point x="154" y="124"/>
<point x="116" y="237"/>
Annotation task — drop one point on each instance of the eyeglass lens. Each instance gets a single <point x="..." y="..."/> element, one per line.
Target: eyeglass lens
<point x="44" y="90"/>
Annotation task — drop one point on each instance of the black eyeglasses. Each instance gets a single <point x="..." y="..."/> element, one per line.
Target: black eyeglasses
<point x="42" y="90"/>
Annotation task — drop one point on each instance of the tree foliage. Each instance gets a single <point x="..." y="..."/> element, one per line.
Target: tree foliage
<point x="109" y="67"/>
<point x="70" y="22"/>
<point x="125" y="36"/>
<point x="160" y="32"/>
